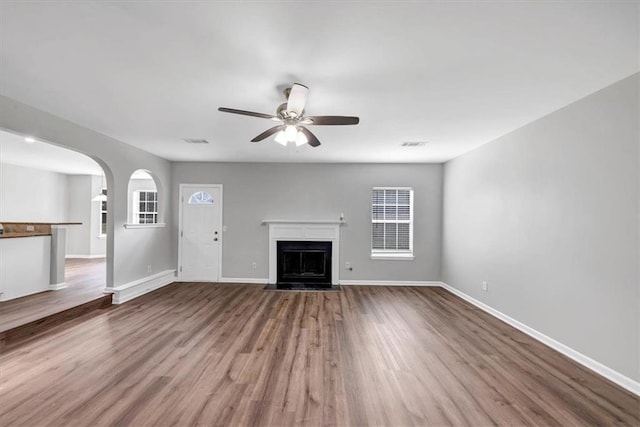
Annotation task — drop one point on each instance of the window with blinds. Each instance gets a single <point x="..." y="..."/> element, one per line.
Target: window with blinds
<point x="392" y="221"/>
<point x="146" y="207"/>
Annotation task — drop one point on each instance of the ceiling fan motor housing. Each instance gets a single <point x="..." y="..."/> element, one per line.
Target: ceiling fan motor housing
<point x="285" y="114"/>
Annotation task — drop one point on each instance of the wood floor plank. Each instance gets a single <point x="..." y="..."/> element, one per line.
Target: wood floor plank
<point x="215" y="354"/>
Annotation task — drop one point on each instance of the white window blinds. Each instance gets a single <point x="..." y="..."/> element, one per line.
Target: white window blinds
<point x="392" y="220"/>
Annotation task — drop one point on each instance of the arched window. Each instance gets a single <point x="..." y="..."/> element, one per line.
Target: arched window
<point x="143" y="198"/>
<point x="201" y="198"/>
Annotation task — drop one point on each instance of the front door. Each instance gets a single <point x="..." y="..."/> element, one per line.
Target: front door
<point x="200" y="232"/>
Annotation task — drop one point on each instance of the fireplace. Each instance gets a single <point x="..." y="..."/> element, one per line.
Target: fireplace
<point x="311" y="231"/>
<point x="303" y="264"/>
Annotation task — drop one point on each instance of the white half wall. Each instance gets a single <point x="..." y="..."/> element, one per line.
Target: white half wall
<point x="549" y="216"/>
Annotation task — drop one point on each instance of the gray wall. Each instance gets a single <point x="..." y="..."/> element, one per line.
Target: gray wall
<point x="549" y="216"/>
<point x="129" y="251"/>
<point x="78" y="236"/>
<point x="253" y="192"/>
<point x="28" y="194"/>
<point x="85" y="240"/>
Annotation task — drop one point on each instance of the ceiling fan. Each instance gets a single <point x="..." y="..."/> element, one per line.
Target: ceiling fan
<point x="293" y="118"/>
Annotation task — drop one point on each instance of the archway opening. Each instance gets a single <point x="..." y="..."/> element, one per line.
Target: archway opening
<point x="55" y="200"/>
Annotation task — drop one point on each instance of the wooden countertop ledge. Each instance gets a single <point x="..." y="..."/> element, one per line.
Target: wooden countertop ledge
<point x="29" y="234"/>
<point x="4" y="223"/>
<point x="13" y="229"/>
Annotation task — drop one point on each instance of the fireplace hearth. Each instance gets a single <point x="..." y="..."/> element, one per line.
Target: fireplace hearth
<point x="303" y="265"/>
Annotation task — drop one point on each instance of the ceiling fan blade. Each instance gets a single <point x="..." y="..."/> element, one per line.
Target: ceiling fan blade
<point x="311" y="138"/>
<point x="297" y="99"/>
<point x="332" y="120"/>
<point x="247" y="113"/>
<point x="267" y="133"/>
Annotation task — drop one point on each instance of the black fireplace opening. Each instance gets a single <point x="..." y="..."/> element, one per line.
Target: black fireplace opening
<point x="303" y="264"/>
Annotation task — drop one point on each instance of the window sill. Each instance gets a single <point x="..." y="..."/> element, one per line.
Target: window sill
<point x="158" y="225"/>
<point x="392" y="256"/>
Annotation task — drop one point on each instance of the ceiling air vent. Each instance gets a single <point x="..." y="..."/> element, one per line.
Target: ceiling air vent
<point x="195" y="141"/>
<point x="414" y="144"/>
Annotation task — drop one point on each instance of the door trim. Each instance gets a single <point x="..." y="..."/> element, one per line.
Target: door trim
<point x="220" y="222"/>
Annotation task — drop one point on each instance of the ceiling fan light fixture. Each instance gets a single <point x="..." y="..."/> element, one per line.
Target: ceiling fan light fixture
<point x="102" y="196"/>
<point x="301" y="139"/>
<point x="291" y="133"/>
<point x="281" y="138"/>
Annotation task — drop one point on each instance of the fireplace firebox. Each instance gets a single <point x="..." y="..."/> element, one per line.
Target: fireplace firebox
<point x="303" y="264"/>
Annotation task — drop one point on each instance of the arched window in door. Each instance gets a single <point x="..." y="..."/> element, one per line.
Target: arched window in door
<point x="201" y="198"/>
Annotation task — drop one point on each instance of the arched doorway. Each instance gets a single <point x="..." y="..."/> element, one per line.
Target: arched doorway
<point x="62" y="194"/>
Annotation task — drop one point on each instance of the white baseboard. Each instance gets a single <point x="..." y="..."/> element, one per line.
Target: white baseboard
<point x="342" y="282"/>
<point x="614" y="376"/>
<point x="241" y="280"/>
<point x="131" y="290"/>
<point x="57" y="286"/>
<point x="84" y="256"/>
<point x="388" y="283"/>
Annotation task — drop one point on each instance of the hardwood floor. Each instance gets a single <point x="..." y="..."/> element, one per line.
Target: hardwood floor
<point x="86" y="279"/>
<point x="207" y="354"/>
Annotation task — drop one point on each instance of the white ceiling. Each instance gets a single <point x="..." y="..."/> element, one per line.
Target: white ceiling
<point x="455" y="74"/>
<point x="40" y="155"/>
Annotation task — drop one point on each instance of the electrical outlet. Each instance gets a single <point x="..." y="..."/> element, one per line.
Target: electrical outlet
<point x="31" y="227"/>
<point x="148" y="269"/>
<point x="485" y="286"/>
<point x="348" y="266"/>
<point x="254" y="265"/>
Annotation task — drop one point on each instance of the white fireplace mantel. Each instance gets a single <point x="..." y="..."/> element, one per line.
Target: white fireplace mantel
<point x="304" y="230"/>
<point x="303" y="221"/>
